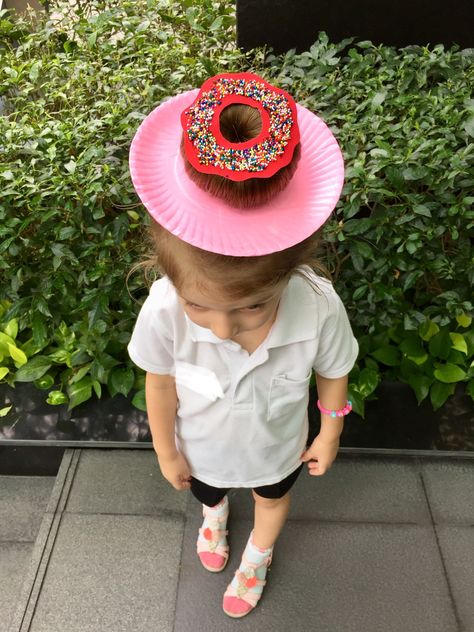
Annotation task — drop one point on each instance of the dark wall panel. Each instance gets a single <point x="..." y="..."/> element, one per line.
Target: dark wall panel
<point x="285" y="24"/>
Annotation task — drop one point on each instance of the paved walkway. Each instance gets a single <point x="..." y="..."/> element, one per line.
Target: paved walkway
<point x="376" y="545"/>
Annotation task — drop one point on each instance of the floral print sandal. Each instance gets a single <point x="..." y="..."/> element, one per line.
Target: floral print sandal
<point x="245" y="590"/>
<point x="212" y="547"/>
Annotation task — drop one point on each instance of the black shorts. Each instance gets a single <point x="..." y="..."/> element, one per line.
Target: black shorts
<point x="210" y="496"/>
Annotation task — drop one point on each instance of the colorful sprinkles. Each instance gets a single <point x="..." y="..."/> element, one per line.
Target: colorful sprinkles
<point x="252" y="159"/>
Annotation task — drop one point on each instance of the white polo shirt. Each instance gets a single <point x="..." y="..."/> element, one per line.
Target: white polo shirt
<point x="242" y="418"/>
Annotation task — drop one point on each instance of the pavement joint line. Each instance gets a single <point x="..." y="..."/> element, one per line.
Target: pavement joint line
<point x="187" y="508"/>
<point x="44" y="544"/>
<point x="165" y="513"/>
<point x="457" y="617"/>
<point x="359" y="522"/>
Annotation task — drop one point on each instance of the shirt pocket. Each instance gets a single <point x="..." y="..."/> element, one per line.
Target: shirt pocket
<point x="288" y="398"/>
<point x="197" y="388"/>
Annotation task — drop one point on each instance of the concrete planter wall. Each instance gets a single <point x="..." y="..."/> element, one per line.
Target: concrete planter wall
<point x="393" y="422"/>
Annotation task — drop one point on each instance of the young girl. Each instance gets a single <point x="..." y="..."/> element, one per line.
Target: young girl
<point x="238" y="179"/>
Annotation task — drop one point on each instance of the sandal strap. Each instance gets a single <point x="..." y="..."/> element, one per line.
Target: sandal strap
<point x="251" y="598"/>
<point x="221" y="549"/>
<point x="216" y="534"/>
<point x="266" y="562"/>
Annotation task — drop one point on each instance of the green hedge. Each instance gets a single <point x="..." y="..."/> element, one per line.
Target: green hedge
<point x="73" y="93"/>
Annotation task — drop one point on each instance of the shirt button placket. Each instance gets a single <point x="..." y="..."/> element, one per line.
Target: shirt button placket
<point x="243" y="394"/>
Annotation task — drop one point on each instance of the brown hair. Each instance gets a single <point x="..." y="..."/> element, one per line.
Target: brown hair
<point x="236" y="277"/>
<point x="240" y="123"/>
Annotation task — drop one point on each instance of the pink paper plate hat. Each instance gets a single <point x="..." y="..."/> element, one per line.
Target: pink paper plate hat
<point x="159" y="176"/>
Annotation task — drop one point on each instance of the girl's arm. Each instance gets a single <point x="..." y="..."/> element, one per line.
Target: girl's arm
<point x="332" y="394"/>
<point x="162" y="403"/>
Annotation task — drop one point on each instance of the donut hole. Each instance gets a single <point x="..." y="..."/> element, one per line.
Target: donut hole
<point x="239" y="123"/>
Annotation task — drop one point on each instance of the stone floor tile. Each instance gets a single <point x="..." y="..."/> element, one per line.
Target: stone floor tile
<point x="111" y="573"/>
<point x="327" y="577"/>
<point x="23" y="500"/>
<point x="14" y="558"/>
<point x="354" y="490"/>
<point x="450" y="490"/>
<point x="457" y="546"/>
<point x="122" y="482"/>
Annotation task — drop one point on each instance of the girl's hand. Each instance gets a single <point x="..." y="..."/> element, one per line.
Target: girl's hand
<point x="176" y="470"/>
<point x="320" y="455"/>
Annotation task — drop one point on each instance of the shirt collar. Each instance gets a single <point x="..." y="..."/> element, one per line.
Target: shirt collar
<point x="295" y="321"/>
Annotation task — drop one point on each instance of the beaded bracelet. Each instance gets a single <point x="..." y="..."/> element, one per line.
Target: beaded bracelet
<point x="336" y="413"/>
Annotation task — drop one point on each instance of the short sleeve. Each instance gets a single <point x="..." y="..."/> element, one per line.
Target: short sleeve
<point x="337" y="347"/>
<point x="151" y="344"/>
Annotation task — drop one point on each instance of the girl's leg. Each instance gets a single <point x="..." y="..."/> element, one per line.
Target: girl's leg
<point x="270" y="517"/>
<point x="212" y="547"/>
<point x="272" y="503"/>
<point x="245" y="590"/>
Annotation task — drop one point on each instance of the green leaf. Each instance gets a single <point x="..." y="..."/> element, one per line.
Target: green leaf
<point x="70" y="166"/>
<point x="11" y="328"/>
<point x="464" y="320"/>
<point x="4" y="411"/>
<point x="458" y="342"/>
<point x="388" y="355"/>
<point x="97" y="386"/>
<point x="414" y="350"/>
<point x="56" y="398"/>
<point x="92" y="39"/>
<point x="45" y="382"/>
<point x="4" y="342"/>
<point x="469" y="338"/>
<point x="421" y="209"/>
<point x="358" y="402"/>
<point x="428" y="329"/>
<point x="367" y="382"/>
<point x="18" y="355"/>
<point x="360" y="292"/>
<point x="3" y="371"/>
<point x="139" y="400"/>
<point x="378" y="99"/>
<point x="469" y="126"/>
<point x="34" y="369"/>
<point x="217" y="24"/>
<point x="439" y="393"/>
<point x="79" y="392"/>
<point x="80" y="373"/>
<point x="34" y="71"/>
<point x="421" y="385"/>
<point x="39" y="329"/>
<point x="30" y="348"/>
<point x="440" y="345"/>
<point x="395" y="177"/>
<point x="121" y="381"/>
<point x="143" y="26"/>
<point x="449" y="373"/>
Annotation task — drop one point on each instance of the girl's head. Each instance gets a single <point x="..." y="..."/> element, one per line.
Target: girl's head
<point x="209" y="283"/>
<point x="235" y="203"/>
